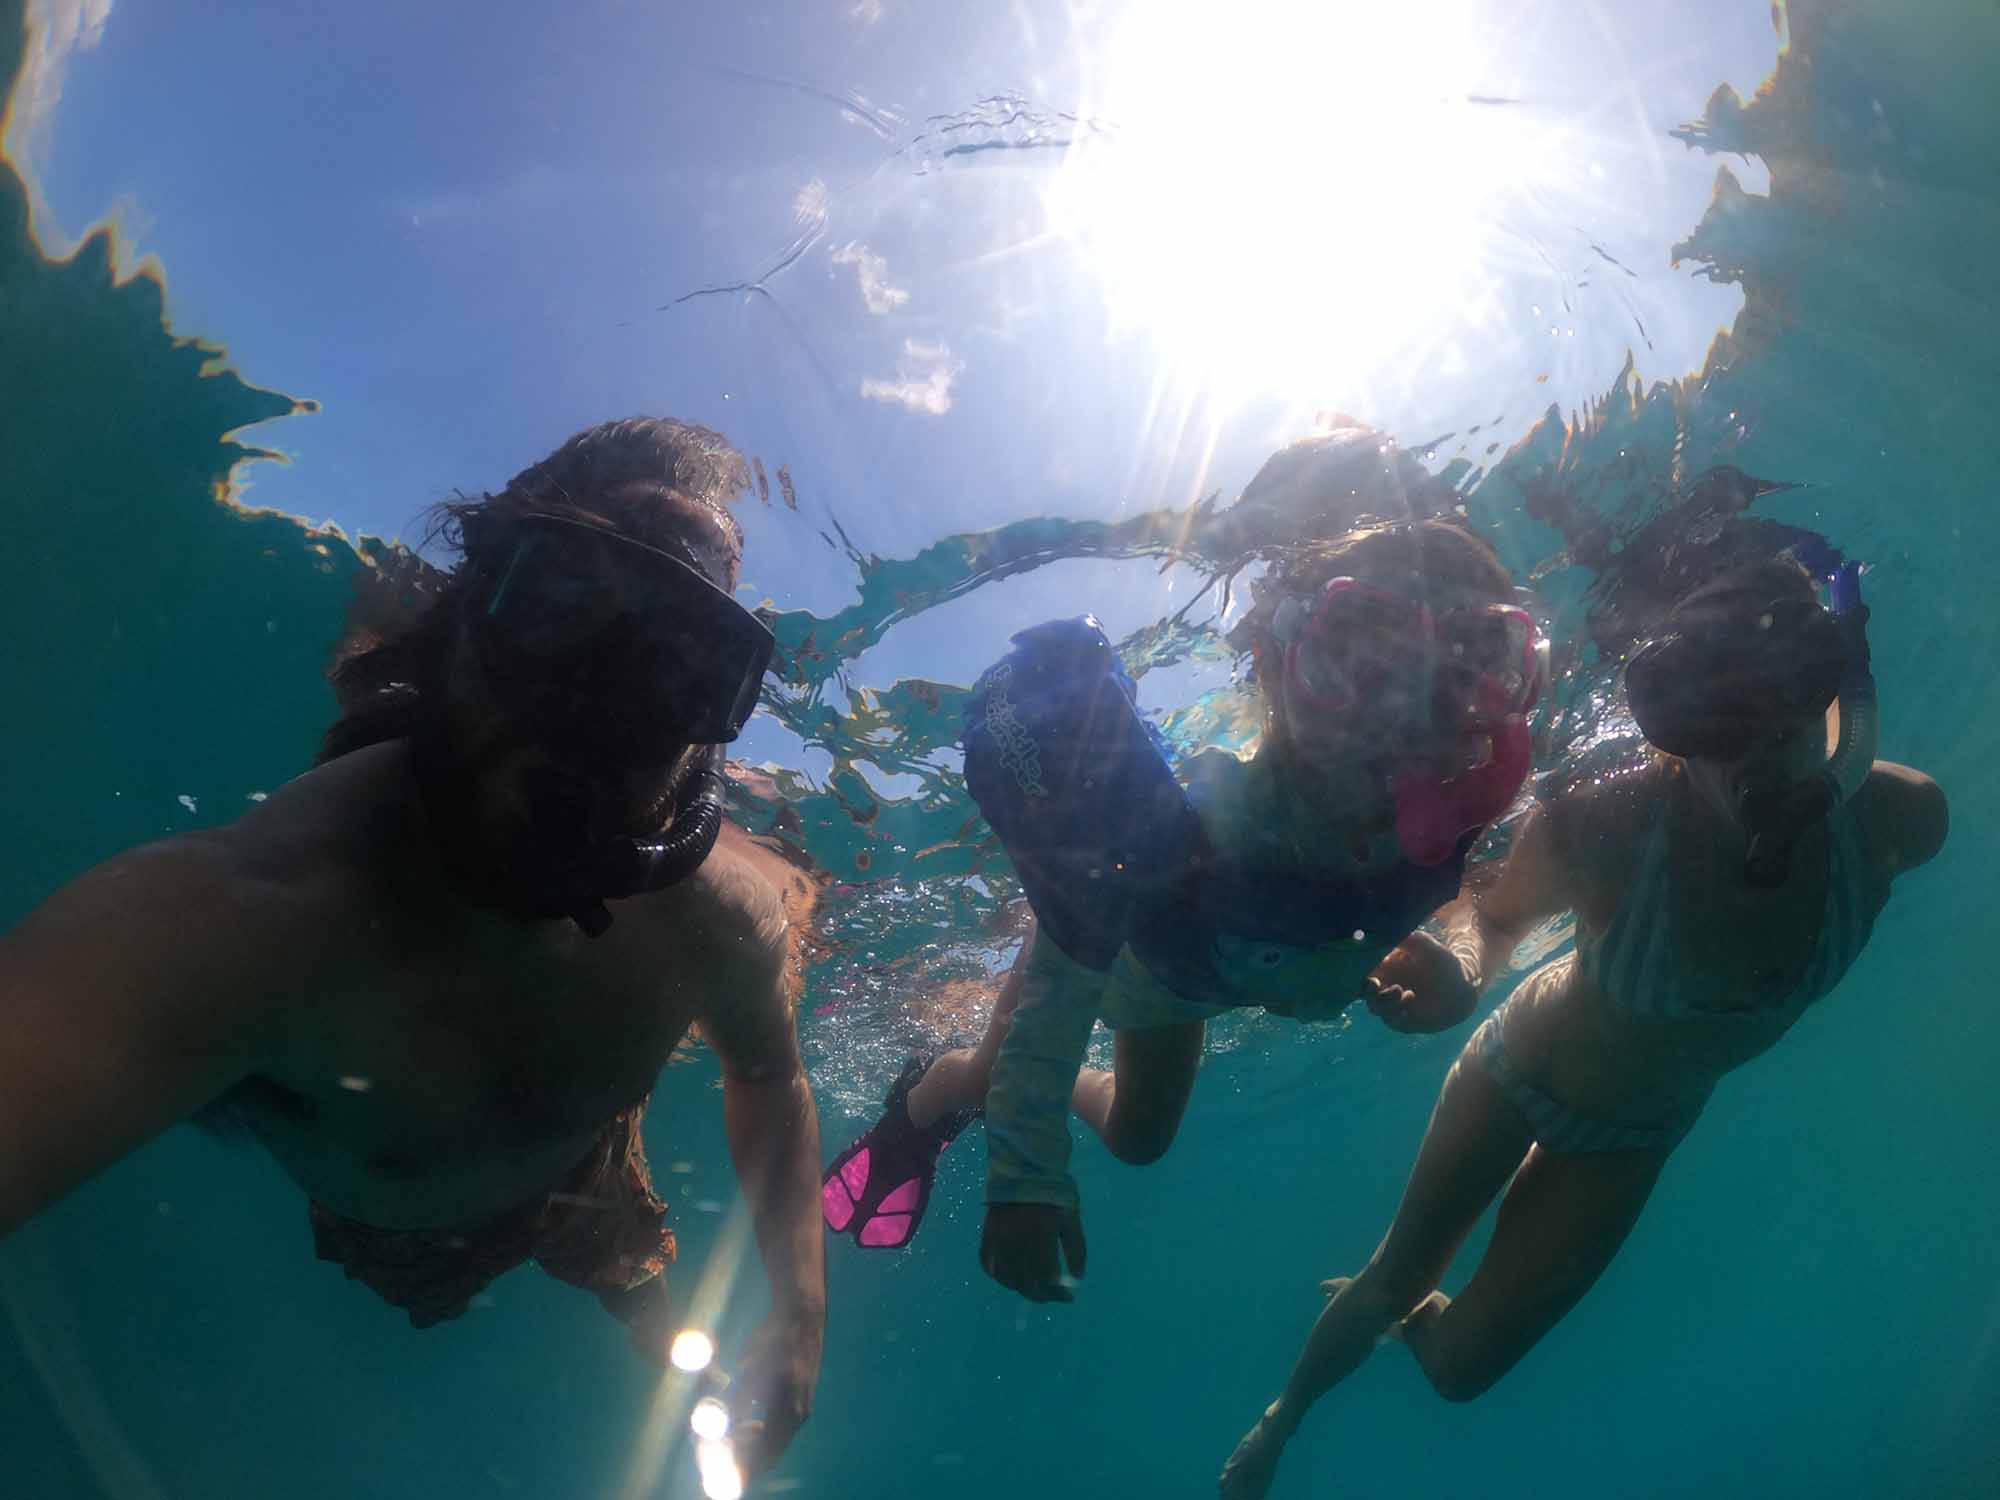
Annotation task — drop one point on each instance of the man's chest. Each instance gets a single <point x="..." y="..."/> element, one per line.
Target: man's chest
<point x="456" y="1058"/>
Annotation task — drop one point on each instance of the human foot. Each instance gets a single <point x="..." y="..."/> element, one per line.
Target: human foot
<point x="1420" y="1317"/>
<point x="1254" y="1464"/>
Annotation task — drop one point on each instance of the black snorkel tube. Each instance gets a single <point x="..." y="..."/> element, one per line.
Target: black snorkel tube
<point x="1778" y="811"/>
<point x="623" y="867"/>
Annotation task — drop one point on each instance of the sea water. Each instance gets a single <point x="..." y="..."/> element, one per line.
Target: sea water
<point x="1810" y="1305"/>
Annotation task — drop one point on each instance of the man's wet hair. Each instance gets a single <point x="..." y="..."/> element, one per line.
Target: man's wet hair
<point x="387" y="671"/>
<point x="583" y="479"/>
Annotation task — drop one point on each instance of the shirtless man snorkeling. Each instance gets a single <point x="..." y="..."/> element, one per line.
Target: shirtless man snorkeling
<point x="438" y="975"/>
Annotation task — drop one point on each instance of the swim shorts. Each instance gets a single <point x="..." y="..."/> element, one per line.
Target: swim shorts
<point x="603" y="1229"/>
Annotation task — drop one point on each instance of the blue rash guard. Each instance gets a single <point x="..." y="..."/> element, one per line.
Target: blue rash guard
<point x="1143" y="920"/>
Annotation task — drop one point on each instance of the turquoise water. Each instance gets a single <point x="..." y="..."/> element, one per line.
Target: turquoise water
<point x="1810" y="1305"/>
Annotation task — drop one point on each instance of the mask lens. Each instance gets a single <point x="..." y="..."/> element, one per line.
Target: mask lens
<point x="1731" y="665"/>
<point x="1355" y="657"/>
<point x="619" y="641"/>
<point x="1494" y="650"/>
<point x="1358" y="641"/>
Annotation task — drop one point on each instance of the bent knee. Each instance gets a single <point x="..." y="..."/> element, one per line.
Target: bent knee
<point x="1460" y="1369"/>
<point x="1140" y="1148"/>
<point x="1141" y="1151"/>
<point x="1458" y="1383"/>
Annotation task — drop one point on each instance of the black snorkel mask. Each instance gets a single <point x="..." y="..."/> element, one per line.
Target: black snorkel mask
<point x="1727" y="666"/>
<point x="615" y="654"/>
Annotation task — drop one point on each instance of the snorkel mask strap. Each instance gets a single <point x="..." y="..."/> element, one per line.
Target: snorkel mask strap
<point x="623" y="867"/>
<point x="1778" y="815"/>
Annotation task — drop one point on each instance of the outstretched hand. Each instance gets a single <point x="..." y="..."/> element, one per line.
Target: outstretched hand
<point x="1024" y="1246"/>
<point x="777" y="1373"/>
<point x="1420" y="986"/>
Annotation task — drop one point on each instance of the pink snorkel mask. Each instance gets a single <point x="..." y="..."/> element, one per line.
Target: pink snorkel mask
<point x="1354" y="645"/>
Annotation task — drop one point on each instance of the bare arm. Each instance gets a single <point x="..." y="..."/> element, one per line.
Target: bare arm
<point x="773" y="1130"/>
<point x="1486" y="924"/>
<point x="129" y="999"/>
<point x="1905" y="816"/>
<point x="1427" y="985"/>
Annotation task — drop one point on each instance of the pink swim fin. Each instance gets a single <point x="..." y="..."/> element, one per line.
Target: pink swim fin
<point x="878" y="1188"/>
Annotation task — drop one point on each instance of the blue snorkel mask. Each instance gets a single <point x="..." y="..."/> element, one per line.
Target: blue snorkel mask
<point x="618" y="655"/>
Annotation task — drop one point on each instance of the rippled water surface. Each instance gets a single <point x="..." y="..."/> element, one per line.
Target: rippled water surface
<point x="1007" y="303"/>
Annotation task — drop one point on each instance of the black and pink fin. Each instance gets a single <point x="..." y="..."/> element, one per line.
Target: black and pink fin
<point x="878" y="1188"/>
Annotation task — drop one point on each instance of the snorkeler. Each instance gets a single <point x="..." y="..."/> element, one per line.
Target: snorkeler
<point x="1719" y="890"/>
<point x="438" y="976"/>
<point x="1395" y="671"/>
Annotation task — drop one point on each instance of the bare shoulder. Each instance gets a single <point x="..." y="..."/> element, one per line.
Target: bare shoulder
<point x="291" y="881"/>
<point x="150" y="984"/>
<point x="748" y="910"/>
<point x="175" y="896"/>
<point x="334" y="818"/>
<point x="1596" y="826"/>
<point x="185" y="948"/>
<point x="760" y="882"/>
<point x="1903" y="816"/>
<point x="744" y="920"/>
<point x="263" y="883"/>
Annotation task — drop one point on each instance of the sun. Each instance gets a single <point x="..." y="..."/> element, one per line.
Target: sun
<point x="1296" y="199"/>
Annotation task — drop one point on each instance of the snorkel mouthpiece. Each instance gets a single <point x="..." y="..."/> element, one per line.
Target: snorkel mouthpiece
<point x="624" y="867"/>
<point x="1433" y="813"/>
<point x="1352" y="640"/>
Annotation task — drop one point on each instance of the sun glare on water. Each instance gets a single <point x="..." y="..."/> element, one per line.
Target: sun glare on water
<point x="1289" y="198"/>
